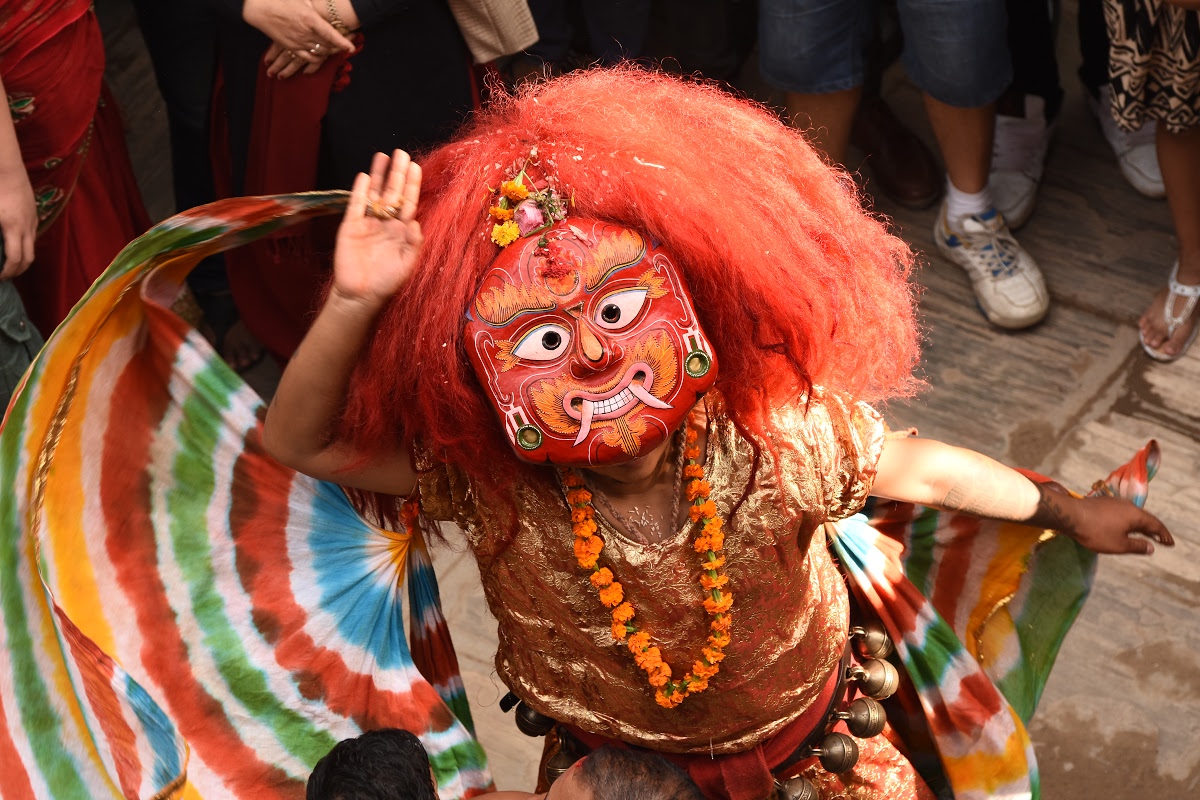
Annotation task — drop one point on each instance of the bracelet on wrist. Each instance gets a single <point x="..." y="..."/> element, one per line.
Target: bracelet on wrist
<point x="335" y="19"/>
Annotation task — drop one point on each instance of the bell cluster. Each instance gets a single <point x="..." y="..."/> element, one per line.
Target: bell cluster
<point x="873" y="677"/>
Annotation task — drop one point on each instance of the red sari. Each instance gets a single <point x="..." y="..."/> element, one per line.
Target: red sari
<point x="73" y="146"/>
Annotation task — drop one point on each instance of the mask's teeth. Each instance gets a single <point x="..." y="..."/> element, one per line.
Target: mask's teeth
<point x="640" y="392"/>
<point x="585" y="421"/>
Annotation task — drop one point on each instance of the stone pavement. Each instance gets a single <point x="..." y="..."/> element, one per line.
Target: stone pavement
<point x="1071" y="398"/>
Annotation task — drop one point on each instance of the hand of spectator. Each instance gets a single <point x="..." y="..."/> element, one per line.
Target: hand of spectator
<point x="282" y="63"/>
<point x="297" y="27"/>
<point x="18" y="219"/>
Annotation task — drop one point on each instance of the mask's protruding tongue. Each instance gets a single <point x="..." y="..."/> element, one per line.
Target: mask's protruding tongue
<point x="585" y="421"/>
<point x="642" y="393"/>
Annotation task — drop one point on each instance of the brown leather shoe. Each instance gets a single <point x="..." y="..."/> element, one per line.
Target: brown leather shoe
<point x="900" y="164"/>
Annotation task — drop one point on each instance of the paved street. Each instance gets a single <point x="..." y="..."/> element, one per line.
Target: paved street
<point x="1072" y="398"/>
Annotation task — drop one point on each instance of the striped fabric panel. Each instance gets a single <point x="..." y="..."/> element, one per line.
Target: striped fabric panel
<point x="182" y="615"/>
<point x="978" y="609"/>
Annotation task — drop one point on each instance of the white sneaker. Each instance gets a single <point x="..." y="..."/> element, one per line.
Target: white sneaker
<point x="1018" y="156"/>
<point x="1007" y="282"/>
<point x="1136" y="154"/>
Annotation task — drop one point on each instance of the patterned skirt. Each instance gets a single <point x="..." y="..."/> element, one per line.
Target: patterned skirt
<point x="1154" y="63"/>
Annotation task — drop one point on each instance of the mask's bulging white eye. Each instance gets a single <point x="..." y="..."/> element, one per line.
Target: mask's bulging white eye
<point x="619" y="309"/>
<point x="543" y="343"/>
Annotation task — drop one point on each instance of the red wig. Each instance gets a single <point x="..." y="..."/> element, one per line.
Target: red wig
<point x="794" y="284"/>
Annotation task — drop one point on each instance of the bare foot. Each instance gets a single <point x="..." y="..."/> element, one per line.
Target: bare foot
<point x="1153" y="326"/>
<point x="239" y="348"/>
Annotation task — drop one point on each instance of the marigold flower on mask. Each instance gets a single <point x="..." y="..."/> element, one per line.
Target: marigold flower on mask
<point x="514" y="190"/>
<point x="502" y="214"/>
<point x="709" y="582"/>
<point x="602" y="577"/>
<point x="612" y="595"/>
<point x="696" y="489"/>
<point x="505" y="233"/>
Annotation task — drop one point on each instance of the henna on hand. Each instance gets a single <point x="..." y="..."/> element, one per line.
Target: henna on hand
<point x="1054" y="509"/>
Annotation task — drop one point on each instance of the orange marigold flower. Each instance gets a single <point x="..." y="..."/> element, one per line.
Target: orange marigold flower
<point x="612" y="595"/>
<point x="668" y="700"/>
<point x="719" y="639"/>
<point x="579" y="497"/>
<point x="713" y="654"/>
<point x="572" y="479"/>
<point x="514" y="190"/>
<point x="697" y="489"/>
<point x="693" y="471"/>
<point x="697" y="685"/>
<point x="658" y="680"/>
<point x="650" y="660"/>
<point x="638" y="642"/>
<point x="702" y="544"/>
<point x="689" y="436"/>
<point x="588" y="546"/>
<point x="619" y="631"/>
<point x="623" y="613"/>
<point x="707" y="581"/>
<point x="721" y="623"/>
<point x="602" y="577"/>
<point x="580" y="514"/>
<point x="717" y="606"/>
<point x="702" y="670"/>
<point x="713" y="524"/>
<point x="714" y="563"/>
<point x="706" y="509"/>
<point x="501" y="214"/>
<point x="716" y="539"/>
<point x="505" y="233"/>
<point x="587" y="561"/>
<point x="691" y="453"/>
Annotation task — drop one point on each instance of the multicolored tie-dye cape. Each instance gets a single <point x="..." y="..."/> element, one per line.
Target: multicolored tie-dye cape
<point x="978" y="610"/>
<point x="180" y="615"/>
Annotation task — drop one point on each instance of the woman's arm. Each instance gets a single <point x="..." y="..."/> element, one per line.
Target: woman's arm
<point x="935" y="474"/>
<point x="373" y="260"/>
<point x="18" y="208"/>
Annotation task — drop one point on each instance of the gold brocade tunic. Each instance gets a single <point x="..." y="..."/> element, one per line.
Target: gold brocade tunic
<point x="790" y="609"/>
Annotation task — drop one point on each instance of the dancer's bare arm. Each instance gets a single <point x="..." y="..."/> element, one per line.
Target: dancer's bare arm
<point x="936" y="474"/>
<point x="373" y="260"/>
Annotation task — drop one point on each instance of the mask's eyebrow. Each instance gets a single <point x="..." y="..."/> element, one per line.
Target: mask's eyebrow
<point x="610" y="254"/>
<point x="501" y="304"/>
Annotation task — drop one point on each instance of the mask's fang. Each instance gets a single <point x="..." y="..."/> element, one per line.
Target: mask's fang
<point x="641" y="393"/>
<point x="585" y="421"/>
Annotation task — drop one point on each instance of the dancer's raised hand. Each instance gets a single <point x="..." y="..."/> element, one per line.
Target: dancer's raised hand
<point x="379" y="240"/>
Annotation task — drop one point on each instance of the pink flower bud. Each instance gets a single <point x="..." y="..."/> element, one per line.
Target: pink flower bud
<point x="529" y="217"/>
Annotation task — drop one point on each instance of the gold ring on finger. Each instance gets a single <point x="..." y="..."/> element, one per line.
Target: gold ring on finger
<point x="381" y="211"/>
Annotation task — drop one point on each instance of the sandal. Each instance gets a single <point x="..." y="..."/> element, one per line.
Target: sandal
<point x="1176" y="290"/>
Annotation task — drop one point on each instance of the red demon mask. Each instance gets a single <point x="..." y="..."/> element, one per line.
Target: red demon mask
<point x="586" y="342"/>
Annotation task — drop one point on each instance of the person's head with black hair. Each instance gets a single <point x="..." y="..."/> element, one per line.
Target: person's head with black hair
<point x="386" y="764"/>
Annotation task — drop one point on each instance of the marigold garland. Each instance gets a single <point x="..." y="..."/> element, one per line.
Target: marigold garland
<point x="709" y="542"/>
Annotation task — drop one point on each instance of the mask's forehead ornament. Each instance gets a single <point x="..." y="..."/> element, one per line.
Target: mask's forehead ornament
<point x="585" y="340"/>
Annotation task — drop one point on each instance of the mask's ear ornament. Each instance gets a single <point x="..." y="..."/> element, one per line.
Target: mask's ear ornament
<point x="583" y="335"/>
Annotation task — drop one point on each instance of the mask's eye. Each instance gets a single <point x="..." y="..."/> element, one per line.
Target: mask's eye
<point x="543" y="343"/>
<point x="619" y="309"/>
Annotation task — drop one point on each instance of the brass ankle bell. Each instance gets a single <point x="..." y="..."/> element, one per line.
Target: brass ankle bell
<point x="837" y="752"/>
<point x="797" y="788"/>
<point x="878" y="679"/>
<point x="557" y="764"/>
<point x="871" y="640"/>
<point x="864" y="717"/>
<point x="532" y="723"/>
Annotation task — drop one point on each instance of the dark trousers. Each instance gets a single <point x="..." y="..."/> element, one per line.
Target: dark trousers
<point x="1031" y="36"/>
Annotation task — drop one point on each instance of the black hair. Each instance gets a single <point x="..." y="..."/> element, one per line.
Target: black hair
<point x="618" y="773"/>
<point x="385" y="764"/>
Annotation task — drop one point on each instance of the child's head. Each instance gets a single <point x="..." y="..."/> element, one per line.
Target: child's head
<point x="387" y="764"/>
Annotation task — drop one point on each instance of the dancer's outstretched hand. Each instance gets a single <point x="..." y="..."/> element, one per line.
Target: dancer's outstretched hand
<point x="1102" y="524"/>
<point x="379" y="241"/>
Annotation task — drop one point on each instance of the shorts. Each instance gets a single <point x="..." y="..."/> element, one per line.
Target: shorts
<point x="954" y="50"/>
